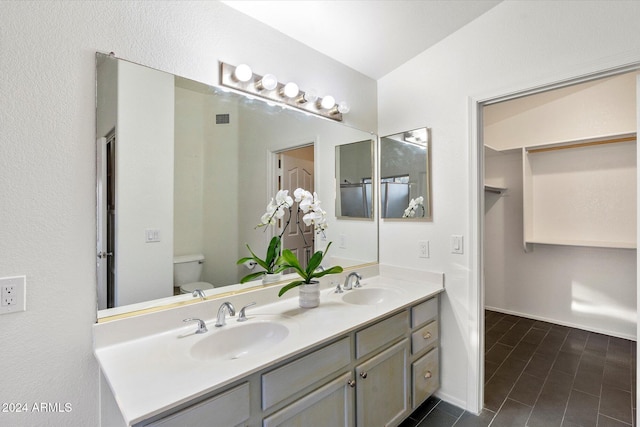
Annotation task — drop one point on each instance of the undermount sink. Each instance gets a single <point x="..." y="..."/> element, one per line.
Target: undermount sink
<point x="369" y="296"/>
<point x="238" y="341"/>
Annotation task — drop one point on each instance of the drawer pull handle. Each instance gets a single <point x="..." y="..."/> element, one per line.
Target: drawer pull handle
<point x="351" y="383"/>
<point x="428" y="375"/>
<point x="363" y="375"/>
<point x="427" y="335"/>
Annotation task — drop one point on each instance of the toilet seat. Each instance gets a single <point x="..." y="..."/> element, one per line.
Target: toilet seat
<point x="188" y="288"/>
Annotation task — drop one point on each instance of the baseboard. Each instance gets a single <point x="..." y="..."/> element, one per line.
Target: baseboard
<point x="562" y="323"/>
<point x="450" y="399"/>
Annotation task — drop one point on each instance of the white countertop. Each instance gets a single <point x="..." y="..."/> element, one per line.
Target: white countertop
<point x="154" y="372"/>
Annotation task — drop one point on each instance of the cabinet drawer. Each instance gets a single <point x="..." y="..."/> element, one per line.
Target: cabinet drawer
<point x="289" y="379"/>
<point x="381" y="334"/>
<point x="424" y="337"/>
<point x="230" y="408"/>
<point x="426" y="377"/>
<point x="424" y="312"/>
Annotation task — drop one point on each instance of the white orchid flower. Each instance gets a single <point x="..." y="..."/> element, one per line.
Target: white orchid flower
<point x="283" y="199"/>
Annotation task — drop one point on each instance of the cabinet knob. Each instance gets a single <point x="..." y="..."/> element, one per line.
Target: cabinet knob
<point x="428" y="375"/>
<point x="427" y="335"/>
<point x="351" y="383"/>
<point x="363" y="374"/>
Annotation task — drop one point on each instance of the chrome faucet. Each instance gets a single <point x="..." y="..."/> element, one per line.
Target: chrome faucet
<point x="221" y="319"/>
<point x="202" y="327"/>
<point x="198" y="293"/>
<point x="347" y="282"/>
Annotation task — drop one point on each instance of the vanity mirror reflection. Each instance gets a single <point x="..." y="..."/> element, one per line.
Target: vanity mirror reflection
<point x="185" y="170"/>
<point x="405" y="183"/>
<point x="354" y="178"/>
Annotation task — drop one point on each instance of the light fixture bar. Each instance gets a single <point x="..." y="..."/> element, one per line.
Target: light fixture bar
<point x="255" y="86"/>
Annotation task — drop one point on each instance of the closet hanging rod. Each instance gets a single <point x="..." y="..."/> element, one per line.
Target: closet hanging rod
<point x="583" y="144"/>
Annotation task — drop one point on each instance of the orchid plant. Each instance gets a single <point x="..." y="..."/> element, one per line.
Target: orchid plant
<point x="414" y="205"/>
<point x="289" y="260"/>
<point x="312" y="215"/>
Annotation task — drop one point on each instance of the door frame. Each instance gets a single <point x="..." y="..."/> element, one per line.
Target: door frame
<point x="475" y="376"/>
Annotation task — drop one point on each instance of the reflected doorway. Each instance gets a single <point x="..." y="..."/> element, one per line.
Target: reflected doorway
<point x="296" y="170"/>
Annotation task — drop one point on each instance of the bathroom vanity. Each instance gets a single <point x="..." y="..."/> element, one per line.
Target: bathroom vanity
<point x="365" y="357"/>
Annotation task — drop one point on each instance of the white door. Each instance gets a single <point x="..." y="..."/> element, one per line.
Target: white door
<point x="105" y="221"/>
<point x="296" y="171"/>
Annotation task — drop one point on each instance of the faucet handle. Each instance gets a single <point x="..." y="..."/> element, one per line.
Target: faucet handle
<point x="202" y="327"/>
<point x="338" y="288"/>
<point x="242" y="317"/>
<point x="358" y="278"/>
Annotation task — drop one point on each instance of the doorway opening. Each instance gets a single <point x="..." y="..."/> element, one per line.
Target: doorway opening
<point x="492" y="192"/>
<point x="295" y="169"/>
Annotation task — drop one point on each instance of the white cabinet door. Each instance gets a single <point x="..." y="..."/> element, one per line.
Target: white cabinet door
<point x="382" y="387"/>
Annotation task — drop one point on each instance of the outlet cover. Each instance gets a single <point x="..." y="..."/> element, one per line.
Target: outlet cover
<point x="13" y="294"/>
<point x="423" y="249"/>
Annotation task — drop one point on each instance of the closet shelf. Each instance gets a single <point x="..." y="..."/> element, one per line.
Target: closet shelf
<point x="494" y="189"/>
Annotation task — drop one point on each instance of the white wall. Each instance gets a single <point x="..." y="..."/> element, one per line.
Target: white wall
<point x="515" y="46"/>
<point x="47" y="163"/>
<point x="144" y="184"/>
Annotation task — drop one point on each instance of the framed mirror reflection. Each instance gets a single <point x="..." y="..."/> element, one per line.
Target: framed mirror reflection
<point x="405" y="176"/>
<point x="185" y="171"/>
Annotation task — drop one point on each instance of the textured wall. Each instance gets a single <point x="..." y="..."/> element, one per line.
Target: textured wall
<point x="515" y="46"/>
<point x="47" y="163"/>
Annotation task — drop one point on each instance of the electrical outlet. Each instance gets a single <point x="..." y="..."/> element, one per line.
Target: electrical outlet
<point x="8" y="293"/>
<point x="423" y="249"/>
<point x="12" y="294"/>
<point x="343" y="242"/>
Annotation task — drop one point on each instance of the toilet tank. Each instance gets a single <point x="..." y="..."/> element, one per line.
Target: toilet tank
<point x="187" y="269"/>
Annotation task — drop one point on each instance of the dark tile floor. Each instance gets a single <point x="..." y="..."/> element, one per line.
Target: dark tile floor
<point x="544" y="375"/>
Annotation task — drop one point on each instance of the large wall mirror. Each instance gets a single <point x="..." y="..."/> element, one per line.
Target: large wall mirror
<point x="405" y="182"/>
<point x="185" y="172"/>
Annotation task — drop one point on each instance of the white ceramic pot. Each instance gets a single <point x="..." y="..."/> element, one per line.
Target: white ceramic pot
<point x="271" y="278"/>
<point x="309" y="295"/>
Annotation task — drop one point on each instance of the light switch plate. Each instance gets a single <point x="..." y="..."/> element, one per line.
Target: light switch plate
<point x="12" y="294"/>
<point x="457" y="244"/>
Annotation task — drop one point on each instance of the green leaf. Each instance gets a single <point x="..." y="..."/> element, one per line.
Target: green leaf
<point x="252" y="276"/>
<point x="289" y="287"/>
<point x="289" y="260"/>
<point x="314" y="262"/>
<point x="245" y="259"/>
<point x="260" y="262"/>
<point x="273" y="252"/>
<point x="333" y="270"/>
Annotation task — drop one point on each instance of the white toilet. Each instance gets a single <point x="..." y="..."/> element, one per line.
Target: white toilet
<point x="186" y="273"/>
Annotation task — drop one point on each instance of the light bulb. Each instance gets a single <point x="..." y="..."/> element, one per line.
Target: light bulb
<point x="308" y="96"/>
<point x="268" y="82"/>
<point x="328" y="102"/>
<point x="343" y="107"/>
<point x="290" y="90"/>
<point x="243" y="73"/>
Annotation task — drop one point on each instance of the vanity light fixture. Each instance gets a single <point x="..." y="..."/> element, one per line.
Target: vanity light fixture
<point x="342" y="108"/>
<point x="327" y="102"/>
<point x="267" y="82"/>
<point x="267" y="87"/>
<point x="290" y="90"/>
<point x="308" y="96"/>
<point x="242" y="73"/>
